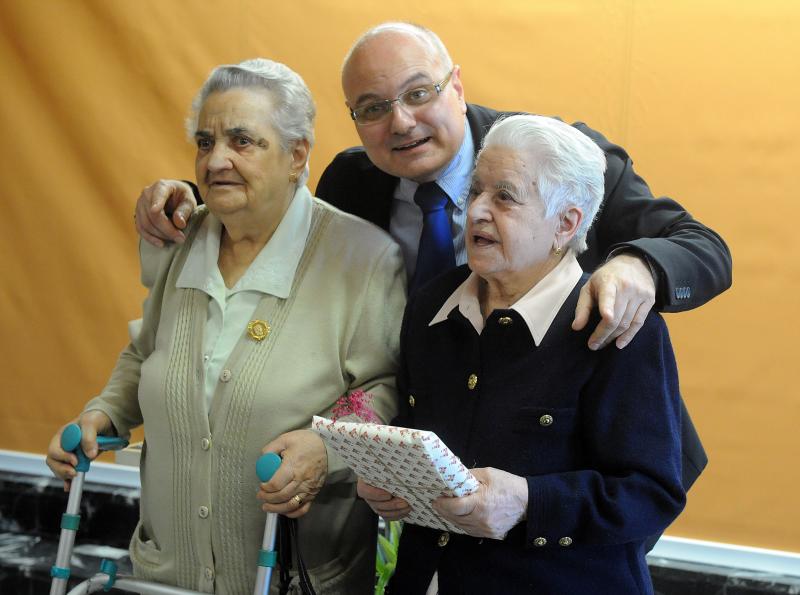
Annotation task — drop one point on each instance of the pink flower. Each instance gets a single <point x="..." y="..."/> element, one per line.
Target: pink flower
<point x="356" y="403"/>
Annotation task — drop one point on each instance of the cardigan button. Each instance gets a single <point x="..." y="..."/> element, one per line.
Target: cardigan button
<point x="472" y="382"/>
<point x="203" y="512"/>
<point x="444" y="537"/>
<point x="505" y="320"/>
<point x="546" y="420"/>
<point x="209" y="572"/>
<point x="411" y="400"/>
<point x="540" y="542"/>
<point x="205" y="444"/>
<point x="565" y="541"/>
<point x="226" y="375"/>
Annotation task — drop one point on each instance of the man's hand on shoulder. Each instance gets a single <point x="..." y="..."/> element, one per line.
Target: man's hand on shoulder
<point x="155" y="201"/>
<point x="624" y="291"/>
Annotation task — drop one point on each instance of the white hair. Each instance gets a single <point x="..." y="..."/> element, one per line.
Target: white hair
<point x="293" y="115"/>
<point x="422" y="33"/>
<point x="568" y="166"/>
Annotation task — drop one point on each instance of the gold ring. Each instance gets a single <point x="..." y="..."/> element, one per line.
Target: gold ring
<point x="298" y="500"/>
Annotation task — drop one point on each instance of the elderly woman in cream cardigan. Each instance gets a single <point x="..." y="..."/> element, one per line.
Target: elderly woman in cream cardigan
<point x="275" y="306"/>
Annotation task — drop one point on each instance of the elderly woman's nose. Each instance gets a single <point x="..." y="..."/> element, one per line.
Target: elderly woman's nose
<point x="219" y="158"/>
<point x="478" y="207"/>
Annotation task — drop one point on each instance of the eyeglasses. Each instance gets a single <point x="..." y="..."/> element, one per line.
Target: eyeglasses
<point x="413" y="98"/>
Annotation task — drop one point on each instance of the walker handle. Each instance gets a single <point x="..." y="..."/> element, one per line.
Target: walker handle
<point x="71" y="442"/>
<point x="266" y="466"/>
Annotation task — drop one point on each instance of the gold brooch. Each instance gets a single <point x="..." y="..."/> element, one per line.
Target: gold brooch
<point x="258" y="329"/>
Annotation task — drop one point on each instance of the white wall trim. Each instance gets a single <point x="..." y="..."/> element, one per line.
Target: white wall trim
<point x="740" y="557"/>
<point x="109" y="474"/>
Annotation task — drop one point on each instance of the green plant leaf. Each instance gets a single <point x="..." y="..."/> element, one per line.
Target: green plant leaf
<point x="386" y="556"/>
<point x="395" y="529"/>
<point x="388" y="549"/>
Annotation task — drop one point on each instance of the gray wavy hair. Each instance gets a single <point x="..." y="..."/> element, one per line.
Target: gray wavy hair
<point x="568" y="168"/>
<point x="293" y="116"/>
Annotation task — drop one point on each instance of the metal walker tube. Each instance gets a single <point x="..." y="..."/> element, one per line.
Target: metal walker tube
<point x="264" y="573"/>
<point x="128" y="583"/>
<point x="67" y="539"/>
<point x="71" y="442"/>
<point x="266" y="466"/>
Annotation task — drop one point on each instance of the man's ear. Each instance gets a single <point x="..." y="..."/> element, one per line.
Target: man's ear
<point x="458" y="86"/>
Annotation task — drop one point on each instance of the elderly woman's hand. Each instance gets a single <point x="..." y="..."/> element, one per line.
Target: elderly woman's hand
<point x="62" y="463"/>
<point x="624" y="291"/>
<point x="392" y="508"/>
<point x="152" y="222"/>
<point x="300" y="476"/>
<point x="500" y="503"/>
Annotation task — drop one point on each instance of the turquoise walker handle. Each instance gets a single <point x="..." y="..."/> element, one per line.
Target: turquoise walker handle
<point x="71" y="442"/>
<point x="267" y="465"/>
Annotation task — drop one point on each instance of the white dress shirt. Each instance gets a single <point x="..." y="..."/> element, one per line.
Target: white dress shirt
<point x="405" y="223"/>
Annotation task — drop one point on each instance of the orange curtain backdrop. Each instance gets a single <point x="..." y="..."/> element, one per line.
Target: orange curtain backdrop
<point x="703" y="94"/>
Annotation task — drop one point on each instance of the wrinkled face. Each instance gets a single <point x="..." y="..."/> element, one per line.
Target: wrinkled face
<point x="507" y="233"/>
<point x="240" y="163"/>
<point x="415" y="143"/>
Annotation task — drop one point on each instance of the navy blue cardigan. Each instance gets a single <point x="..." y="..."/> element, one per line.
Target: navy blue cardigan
<point x="603" y="470"/>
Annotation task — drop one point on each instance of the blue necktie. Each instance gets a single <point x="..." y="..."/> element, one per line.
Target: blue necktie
<point x="436" y="254"/>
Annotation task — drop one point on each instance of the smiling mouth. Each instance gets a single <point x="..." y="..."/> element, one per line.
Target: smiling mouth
<point x="414" y="145"/>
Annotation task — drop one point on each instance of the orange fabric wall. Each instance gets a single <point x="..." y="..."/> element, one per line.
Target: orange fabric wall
<point x="703" y="94"/>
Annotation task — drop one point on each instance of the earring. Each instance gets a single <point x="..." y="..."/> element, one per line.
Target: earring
<point x="293" y="177"/>
<point x="557" y="250"/>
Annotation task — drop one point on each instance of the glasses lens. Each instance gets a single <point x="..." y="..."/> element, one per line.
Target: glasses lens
<point x="418" y="96"/>
<point x="373" y="111"/>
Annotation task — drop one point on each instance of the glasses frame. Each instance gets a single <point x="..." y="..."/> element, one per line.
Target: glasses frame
<point x="438" y="87"/>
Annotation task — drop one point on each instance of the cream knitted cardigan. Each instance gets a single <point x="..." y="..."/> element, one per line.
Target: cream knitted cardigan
<point x="200" y="523"/>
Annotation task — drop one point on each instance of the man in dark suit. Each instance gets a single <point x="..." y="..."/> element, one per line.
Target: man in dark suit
<point x="407" y="100"/>
<point x="652" y="252"/>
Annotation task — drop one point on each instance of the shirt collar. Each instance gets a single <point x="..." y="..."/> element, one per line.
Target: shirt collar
<point x="455" y="178"/>
<point x="538" y="307"/>
<point x="272" y="271"/>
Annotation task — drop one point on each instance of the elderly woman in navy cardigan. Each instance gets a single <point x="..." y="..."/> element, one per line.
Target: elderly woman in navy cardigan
<point x="577" y="451"/>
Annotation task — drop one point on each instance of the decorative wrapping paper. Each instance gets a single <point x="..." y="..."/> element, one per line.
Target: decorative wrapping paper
<point x="413" y="464"/>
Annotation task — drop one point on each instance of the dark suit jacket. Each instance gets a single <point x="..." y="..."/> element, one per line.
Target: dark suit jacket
<point x="603" y="470"/>
<point x="693" y="262"/>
